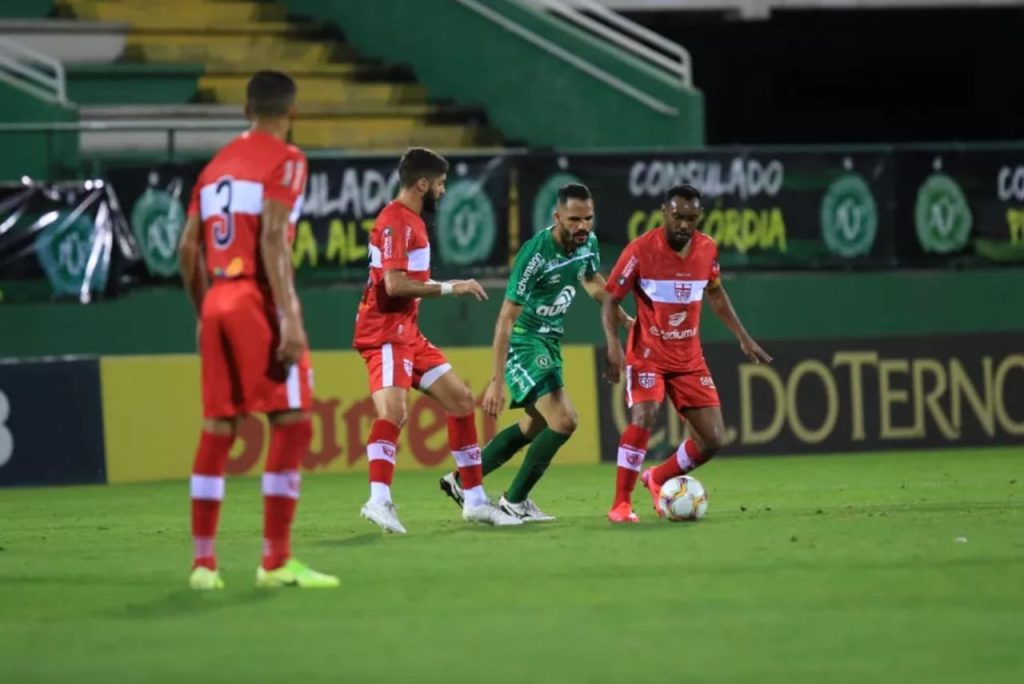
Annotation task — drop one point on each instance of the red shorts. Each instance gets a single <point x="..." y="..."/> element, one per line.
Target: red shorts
<point x="418" y="365"/>
<point x="693" y="389"/>
<point x="238" y="342"/>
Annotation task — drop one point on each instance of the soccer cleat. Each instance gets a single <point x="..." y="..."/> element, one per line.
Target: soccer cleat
<point x="294" y="573"/>
<point x="205" y="578"/>
<point x="622" y="512"/>
<point x="489" y="514"/>
<point x="527" y="511"/>
<point x="654" y="488"/>
<point x="384" y="515"/>
<point x="451" y="487"/>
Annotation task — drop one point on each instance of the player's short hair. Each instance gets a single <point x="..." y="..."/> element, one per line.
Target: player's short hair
<point x="270" y="94"/>
<point x="686" y="191"/>
<point x="419" y="162"/>
<point x="573" y="191"/>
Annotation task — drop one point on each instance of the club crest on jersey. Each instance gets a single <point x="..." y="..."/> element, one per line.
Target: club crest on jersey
<point x="544" y="361"/>
<point x="676" y="319"/>
<point x="646" y="380"/>
<point x="706" y="381"/>
<point x="683" y="290"/>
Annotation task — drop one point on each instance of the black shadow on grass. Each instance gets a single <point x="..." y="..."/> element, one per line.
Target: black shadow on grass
<point x="190" y="602"/>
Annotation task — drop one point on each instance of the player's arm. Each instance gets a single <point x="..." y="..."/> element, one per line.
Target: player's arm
<point x="277" y="263"/>
<point x="494" y="396"/>
<point x="722" y="306"/>
<point x="595" y="284"/>
<point x="190" y="263"/>
<point x="399" y="284"/>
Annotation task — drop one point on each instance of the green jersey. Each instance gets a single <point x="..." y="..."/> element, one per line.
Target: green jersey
<point x="544" y="280"/>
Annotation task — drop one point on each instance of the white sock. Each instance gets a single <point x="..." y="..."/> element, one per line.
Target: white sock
<point x="380" y="493"/>
<point x="475" y="496"/>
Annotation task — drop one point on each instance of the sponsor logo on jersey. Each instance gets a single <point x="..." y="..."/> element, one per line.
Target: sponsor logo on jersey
<point x="707" y="381"/>
<point x="630" y="267"/>
<point x="560" y="305"/>
<point x="532" y="267"/>
<point x="407" y="364"/>
<point x="676" y="319"/>
<point x="669" y="335"/>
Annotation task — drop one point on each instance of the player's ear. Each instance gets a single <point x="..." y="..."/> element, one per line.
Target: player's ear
<point x="423" y="185"/>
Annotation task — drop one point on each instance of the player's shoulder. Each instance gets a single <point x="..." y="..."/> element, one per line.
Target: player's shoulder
<point x="704" y="241"/>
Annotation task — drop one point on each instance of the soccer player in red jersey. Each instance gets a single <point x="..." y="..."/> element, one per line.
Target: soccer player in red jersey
<point x="668" y="270"/>
<point x="398" y="356"/>
<point x="235" y="259"/>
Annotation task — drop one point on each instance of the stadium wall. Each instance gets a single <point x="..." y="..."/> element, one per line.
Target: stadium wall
<point x="774" y="306"/>
<point x="530" y="95"/>
<point x="43" y="155"/>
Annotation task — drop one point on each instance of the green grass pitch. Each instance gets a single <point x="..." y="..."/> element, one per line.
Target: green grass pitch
<point x="897" y="567"/>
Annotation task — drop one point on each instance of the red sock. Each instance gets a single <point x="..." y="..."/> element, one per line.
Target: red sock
<point x="686" y="458"/>
<point x="380" y="451"/>
<point x="289" y="444"/>
<point x="207" y="491"/>
<point x="463" y="442"/>
<point x="632" y="449"/>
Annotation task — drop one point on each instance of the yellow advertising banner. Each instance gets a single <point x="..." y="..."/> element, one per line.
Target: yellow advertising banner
<point x="151" y="416"/>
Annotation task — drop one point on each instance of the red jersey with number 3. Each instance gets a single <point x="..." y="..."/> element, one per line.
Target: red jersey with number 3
<point x="398" y="242"/>
<point x="668" y="290"/>
<point x="229" y="196"/>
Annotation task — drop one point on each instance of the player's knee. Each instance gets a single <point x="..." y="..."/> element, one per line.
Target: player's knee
<point x="395" y="414"/>
<point x="644" y="415"/>
<point x="566" y="423"/>
<point x="463" y="402"/>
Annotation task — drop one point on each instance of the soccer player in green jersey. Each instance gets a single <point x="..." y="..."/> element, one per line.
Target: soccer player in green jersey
<point x="527" y="348"/>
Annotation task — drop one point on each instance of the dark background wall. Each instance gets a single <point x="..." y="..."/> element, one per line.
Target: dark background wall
<point x="856" y="76"/>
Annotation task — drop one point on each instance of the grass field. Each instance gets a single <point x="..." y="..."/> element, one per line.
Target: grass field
<point x="830" y="569"/>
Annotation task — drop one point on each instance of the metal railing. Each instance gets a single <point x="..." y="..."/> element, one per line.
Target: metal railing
<point x="653" y="48"/>
<point x="568" y="57"/>
<point x="33" y="68"/>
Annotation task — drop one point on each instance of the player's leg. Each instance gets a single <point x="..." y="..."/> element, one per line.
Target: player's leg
<point x="220" y="393"/>
<point x="502" y="447"/>
<point x="285" y="394"/>
<point x="645" y="391"/>
<point x="389" y="369"/>
<point x="695" y="397"/>
<point x="558" y="417"/>
<point x="442" y="383"/>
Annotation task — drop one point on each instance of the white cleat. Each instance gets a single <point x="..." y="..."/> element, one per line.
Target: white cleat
<point x="450" y="486"/>
<point x="384" y="515"/>
<point x="527" y="511"/>
<point x="489" y="514"/>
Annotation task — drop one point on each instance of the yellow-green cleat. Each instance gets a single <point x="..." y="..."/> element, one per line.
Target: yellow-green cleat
<point x="294" y="573"/>
<point x="205" y="578"/>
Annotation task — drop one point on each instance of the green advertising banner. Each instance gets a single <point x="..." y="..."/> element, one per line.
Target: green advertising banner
<point x="764" y="209"/>
<point x="963" y="205"/>
<point x="343" y="197"/>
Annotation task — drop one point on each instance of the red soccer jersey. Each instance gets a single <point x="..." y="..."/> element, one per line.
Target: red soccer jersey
<point x="398" y="243"/>
<point x="228" y="196"/>
<point x="668" y="290"/>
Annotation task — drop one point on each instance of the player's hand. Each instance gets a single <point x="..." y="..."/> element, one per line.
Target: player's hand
<point x="752" y="350"/>
<point x="615" y="362"/>
<point x="461" y="288"/>
<point x="494" y="398"/>
<point x="293" y="340"/>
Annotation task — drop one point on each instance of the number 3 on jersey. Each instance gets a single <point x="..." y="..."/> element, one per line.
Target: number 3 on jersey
<point x="224" y="222"/>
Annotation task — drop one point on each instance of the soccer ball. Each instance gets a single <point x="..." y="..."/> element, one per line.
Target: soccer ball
<point x="683" y="498"/>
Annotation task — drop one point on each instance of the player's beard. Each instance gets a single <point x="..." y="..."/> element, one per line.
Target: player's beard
<point x="677" y="241"/>
<point x="570" y="239"/>
<point x="430" y="201"/>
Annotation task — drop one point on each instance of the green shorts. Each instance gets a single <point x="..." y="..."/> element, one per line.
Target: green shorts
<point x="534" y="368"/>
